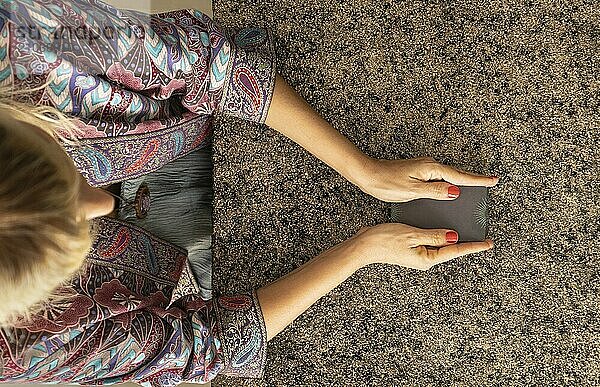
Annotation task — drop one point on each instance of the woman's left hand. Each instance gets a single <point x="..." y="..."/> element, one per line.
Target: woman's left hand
<point x="405" y="180"/>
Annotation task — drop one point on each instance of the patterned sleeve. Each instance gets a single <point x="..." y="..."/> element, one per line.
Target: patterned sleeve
<point x="151" y="346"/>
<point x="226" y="336"/>
<point x="250" y="78"/>
<point x="133" y="313"/>
<point x="124" y="72"/>
<point x="241" y="65"/>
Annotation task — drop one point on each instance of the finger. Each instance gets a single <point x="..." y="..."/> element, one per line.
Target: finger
<point x="460" y="177"/>
<point x="438" y="190"/>
<point x="362" y="229"/>
<point x="435" y="237"/>
<point x="444" y="254"/>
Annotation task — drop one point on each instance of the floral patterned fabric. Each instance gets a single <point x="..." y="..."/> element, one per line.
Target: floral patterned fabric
<point x="133" y="314"/>
<point x="143" y="89"/>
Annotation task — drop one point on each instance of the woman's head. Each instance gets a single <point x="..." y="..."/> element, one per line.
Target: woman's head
<point x="44" y="235"/>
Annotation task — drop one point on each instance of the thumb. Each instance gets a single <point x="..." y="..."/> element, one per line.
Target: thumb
<point x="438" y="190"/>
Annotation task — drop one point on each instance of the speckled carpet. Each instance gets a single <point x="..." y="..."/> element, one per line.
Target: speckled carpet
<point x="503" y="87"/>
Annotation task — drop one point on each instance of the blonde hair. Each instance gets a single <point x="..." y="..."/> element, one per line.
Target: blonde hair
<point x="44" y="236"/>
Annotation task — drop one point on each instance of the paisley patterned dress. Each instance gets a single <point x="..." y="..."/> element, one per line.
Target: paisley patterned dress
<point x="142" y="90"/>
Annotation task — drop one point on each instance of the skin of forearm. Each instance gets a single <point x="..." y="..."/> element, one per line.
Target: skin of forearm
<point x="285" y="299"/>
<point x="288" y="297"/>
<point x="293" y="117"/>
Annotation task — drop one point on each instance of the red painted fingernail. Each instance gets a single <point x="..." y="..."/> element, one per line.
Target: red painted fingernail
<point x="453" y="191"/>
<point x="451" y="237"/>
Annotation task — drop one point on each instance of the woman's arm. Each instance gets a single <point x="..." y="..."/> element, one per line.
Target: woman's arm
<point x="288" y="297"/>
<point x="293" y="117"/>
<point x="388" y="180"/>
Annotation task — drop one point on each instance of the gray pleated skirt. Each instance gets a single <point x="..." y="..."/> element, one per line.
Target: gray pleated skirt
<point x="180" y="211"/>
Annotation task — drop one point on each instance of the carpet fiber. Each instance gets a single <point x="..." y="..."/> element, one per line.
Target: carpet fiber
<point x="503" y="87"/>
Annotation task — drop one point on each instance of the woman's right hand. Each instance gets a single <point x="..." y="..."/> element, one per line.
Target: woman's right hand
<point x="412" y="247"/>
<point x="285" y="299"/>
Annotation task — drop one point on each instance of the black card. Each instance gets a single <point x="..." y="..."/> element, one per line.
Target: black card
<point x="467" y="214"/>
